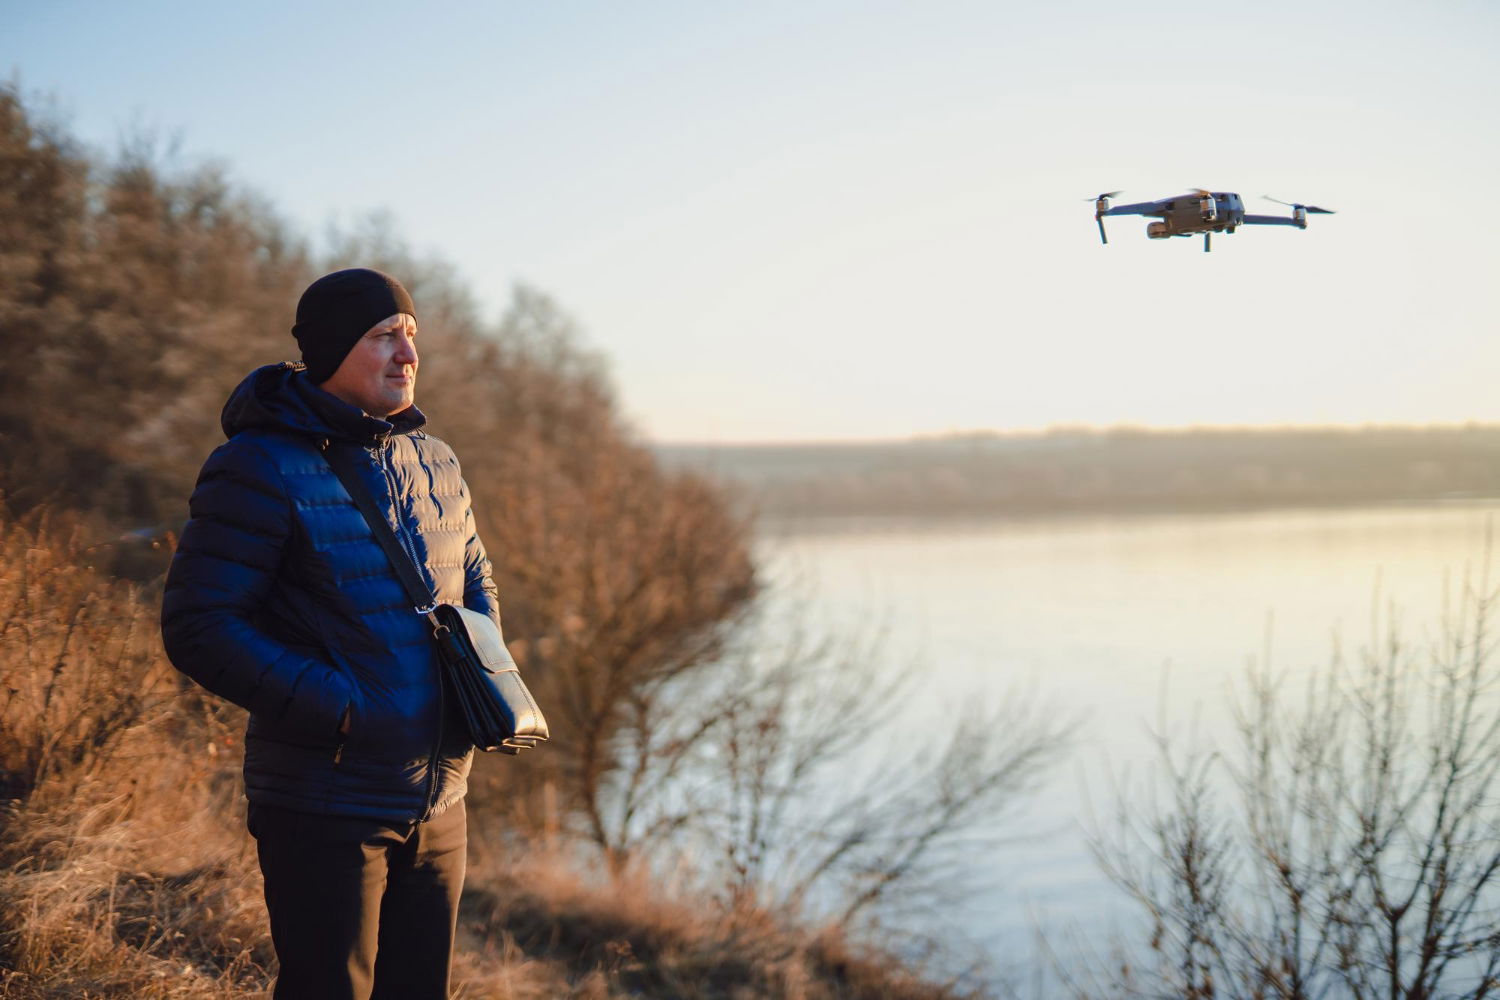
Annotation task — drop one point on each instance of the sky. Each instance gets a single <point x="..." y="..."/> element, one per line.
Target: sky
<point x="850" y="220"/>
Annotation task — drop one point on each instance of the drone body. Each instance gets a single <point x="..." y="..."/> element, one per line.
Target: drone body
<point x="1200" y="211"/>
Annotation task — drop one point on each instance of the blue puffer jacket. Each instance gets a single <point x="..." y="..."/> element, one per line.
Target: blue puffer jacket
<point x="280" y="600"/>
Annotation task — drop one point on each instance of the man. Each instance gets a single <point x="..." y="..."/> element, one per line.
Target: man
<point x="280" y="600"/>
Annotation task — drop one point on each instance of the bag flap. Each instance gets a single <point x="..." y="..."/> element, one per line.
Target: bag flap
<point x="483" y="633"/>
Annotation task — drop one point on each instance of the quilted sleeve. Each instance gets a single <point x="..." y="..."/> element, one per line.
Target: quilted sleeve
<point x="479" y="583"/>
<point x="225" y="564"/>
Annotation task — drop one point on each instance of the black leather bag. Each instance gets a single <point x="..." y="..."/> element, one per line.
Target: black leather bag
<point x="496" y="706"/>
<point x="499" y="709"/>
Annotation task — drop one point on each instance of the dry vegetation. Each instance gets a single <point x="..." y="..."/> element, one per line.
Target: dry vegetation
<point x="125" y="869"/>
<point x="134" y="296"/>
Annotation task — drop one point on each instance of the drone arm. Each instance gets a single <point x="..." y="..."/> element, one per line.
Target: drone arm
<point x="1270" y="220"/>
<point x="1139" y="208"/>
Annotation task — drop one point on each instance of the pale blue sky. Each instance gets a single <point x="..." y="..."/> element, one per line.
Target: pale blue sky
<point x="839" y="219"/>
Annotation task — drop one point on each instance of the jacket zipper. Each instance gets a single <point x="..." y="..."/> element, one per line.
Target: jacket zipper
<point x="410" y="549"/>
<point x="338" y="751"/>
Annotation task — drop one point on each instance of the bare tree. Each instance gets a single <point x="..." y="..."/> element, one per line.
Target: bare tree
<point x="136" y="293"/>
<point x="1348" y="847"/>
<point x="615" y="575"/>
<point x="132" y="297"/>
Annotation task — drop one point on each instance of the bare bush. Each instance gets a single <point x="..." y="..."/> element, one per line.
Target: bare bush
<point x="117" y="876"/>
<point x="79" y="655"/>
<point x="802" y="775"/>
<point x="1349" y="846"/>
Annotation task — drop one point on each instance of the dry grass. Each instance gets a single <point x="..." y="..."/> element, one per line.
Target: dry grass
<point x="629" y="936"/>
<point x="81" y="656"/>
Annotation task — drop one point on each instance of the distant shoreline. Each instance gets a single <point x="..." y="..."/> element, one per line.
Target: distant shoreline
<point x="1107" y="472"/>
<point x="784" y="524"/>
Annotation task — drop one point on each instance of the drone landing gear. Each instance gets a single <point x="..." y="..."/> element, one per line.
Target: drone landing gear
<point x="1207" y="245"/>
<point x="1101" y="205"/>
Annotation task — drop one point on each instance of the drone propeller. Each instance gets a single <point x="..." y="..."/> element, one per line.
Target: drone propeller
<point x="1107" y="194"/>
<point x="1311" y="209"/>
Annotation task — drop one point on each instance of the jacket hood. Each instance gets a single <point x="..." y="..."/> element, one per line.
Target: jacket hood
<point x="281" y="397"/>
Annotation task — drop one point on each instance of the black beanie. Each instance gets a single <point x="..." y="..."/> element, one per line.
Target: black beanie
<point x="338" y="309"/>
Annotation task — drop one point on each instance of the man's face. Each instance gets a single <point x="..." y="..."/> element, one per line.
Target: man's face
<point x="379" y="374"/>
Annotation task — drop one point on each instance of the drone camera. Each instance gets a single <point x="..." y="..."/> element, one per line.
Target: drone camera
<point x="1157" y="231"/>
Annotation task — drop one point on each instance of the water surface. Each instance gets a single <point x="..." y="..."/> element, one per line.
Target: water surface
<point x="1130" y="623"/>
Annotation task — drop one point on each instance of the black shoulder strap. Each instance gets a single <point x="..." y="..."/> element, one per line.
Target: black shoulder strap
<point x="341" y="461"/>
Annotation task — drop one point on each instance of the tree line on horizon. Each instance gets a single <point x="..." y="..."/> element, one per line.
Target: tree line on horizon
<point x="1119" y="469"/>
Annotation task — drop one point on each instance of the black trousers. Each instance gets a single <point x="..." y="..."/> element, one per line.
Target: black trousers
<point x="361" y="909"/>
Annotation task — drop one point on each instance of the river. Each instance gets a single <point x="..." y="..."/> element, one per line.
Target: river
<point x="1128" y="623"/>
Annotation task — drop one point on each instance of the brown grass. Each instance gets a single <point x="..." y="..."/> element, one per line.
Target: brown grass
<point x="628" y="936"/>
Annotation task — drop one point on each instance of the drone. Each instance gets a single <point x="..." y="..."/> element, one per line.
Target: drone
<point x="1200" y="211"/>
